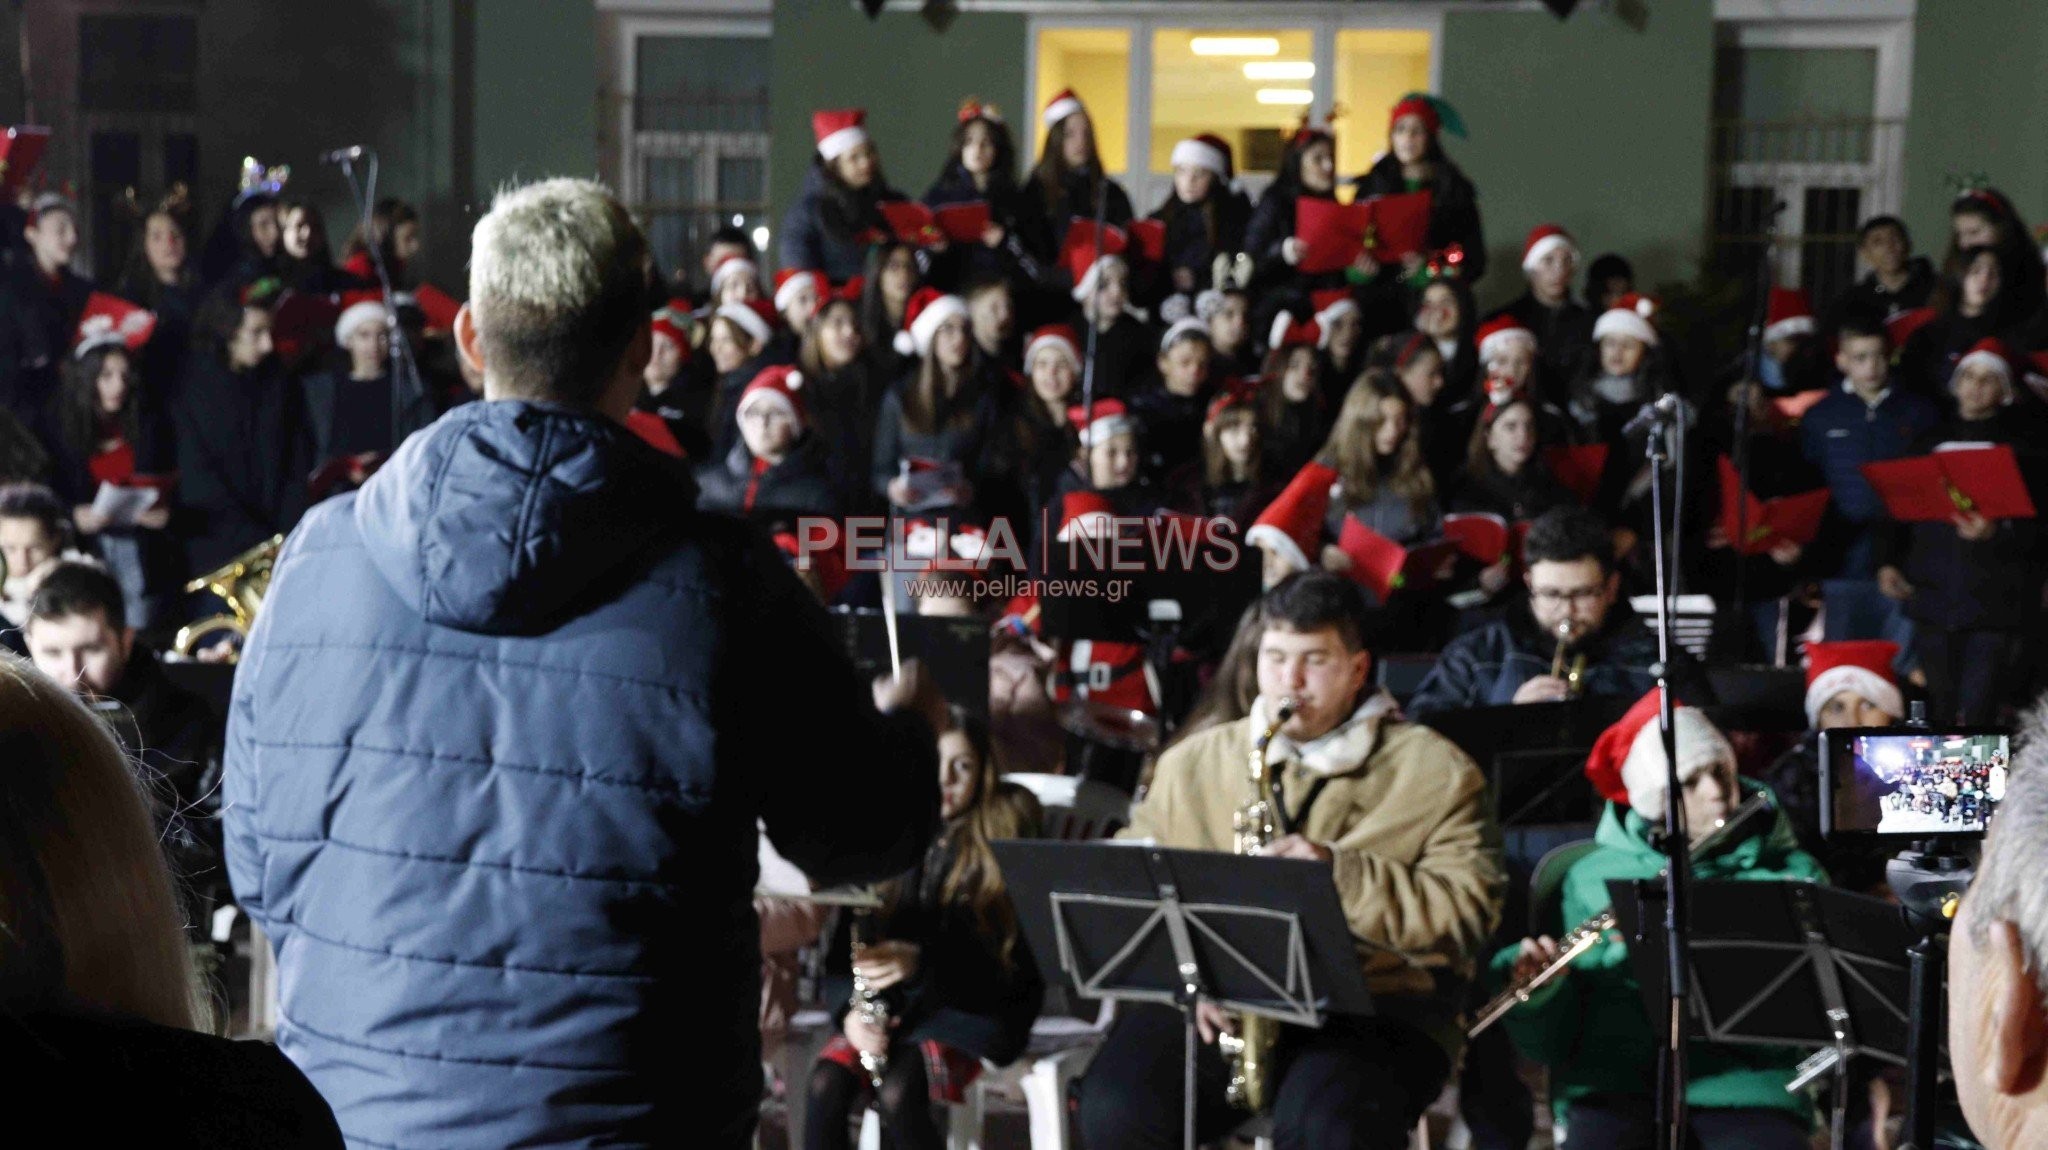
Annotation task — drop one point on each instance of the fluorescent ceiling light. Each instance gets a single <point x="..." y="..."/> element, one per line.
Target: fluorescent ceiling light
<point x="1234" y="46"/>
<point x="1279" y="70"/>
<point x="1299" y="97"/>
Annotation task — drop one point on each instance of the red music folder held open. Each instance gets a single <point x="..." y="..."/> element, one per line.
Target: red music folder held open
<point x="1754" y="526"/>
<point x="1383" y="566"/>
<point x="1936" y="488"/>
<point x="1335" y="234"/>
<point x="1578" y="468"/>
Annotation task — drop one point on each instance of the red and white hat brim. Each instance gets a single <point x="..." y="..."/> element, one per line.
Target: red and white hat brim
<point x="748" y="319"/>
<point x="1088" y="524"/>
<point x="1873" y="687"/>
<point x="841" y="142"/>
<point x="1497" y="343"/>
<point x="1544" y="247"/>
<point x="1053" y="343"/>
<point x="1197" y="154"/>
<point x="1273" y="539"/>
<point x="917" y="339"/>
<point x="730" y="268"/>
<point x="1788" y="327"/>
<point x="1621" y="321"/>
<point x="1060" y="109"/>
<point x="790" y="286"/>
<point x="357" y="314"/>
<point x="761" y="395"/>
<point x="1107" y="427"/>
<point x="1700" y="745"/>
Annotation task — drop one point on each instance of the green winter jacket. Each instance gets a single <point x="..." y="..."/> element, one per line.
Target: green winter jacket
<point x="1589" y="1026"/>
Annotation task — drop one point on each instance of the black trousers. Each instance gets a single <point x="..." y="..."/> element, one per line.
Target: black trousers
<point x="1969" y="673"/>
<point x="1631" y="1124"/>
<point x="1358" y="1083"/>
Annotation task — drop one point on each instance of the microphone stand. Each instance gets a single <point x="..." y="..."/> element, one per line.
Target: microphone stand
<point x="1671" y="1118"/>
<point x="1752" y="375"/>
<point x="1093" y="312"/>
<point x="403" y="369"/>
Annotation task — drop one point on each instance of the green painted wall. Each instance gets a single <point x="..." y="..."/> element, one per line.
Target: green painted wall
<point x="1590" y="122"/>
<point x="908" y="76"/>
<point x="1979" y="93"/>
<point x="535" y="109"/>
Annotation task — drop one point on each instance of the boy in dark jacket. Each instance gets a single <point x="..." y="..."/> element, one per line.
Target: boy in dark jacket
<point x="1867" y="420"/>
<point x="1972" y="586"/>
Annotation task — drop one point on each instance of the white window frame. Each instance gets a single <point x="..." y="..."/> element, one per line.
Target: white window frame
<point x="750" y="22"/>
<point x="1140" y="20"/>
<point x="1883" y="25"/>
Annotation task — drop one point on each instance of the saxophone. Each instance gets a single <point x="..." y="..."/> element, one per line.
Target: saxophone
<point x="1583" y="936"/>
<point x="1574" y="673"/>
<point x="1249" y="1052"/>
<point x="868" y="1002"/>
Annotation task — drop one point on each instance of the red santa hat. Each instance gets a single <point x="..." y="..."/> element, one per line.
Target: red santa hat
<point x="755" y="317"/>
<point x="839" y="131"/>
<point x="1293" y="523"/>
<point x="1185" y="328"/>
<point x="827" y="562"/>
<point x="1992" y="354"/>
<point x="108" y="321"/>
<point x="1108" y="420"/>
<point x="927" y="310"/>
<point x="1630" y="316"/>
<point x="1205" y="151"/>
<point x="789" y="281"/>
<point x="1062" y="105"/>
<point x="1789" y="313"/>
<point x="1086" y="249"/>
<point x="921" y="542"/>
<point x="1285" y="332"/>
<point x="1498" y="333"/>
<point x="1057" y="338"/>
<point x="1085" y="513"/>
<point x="1860" y="666"/>
<point x="358" y="308"/>
<point x="1332" y="304"/>
<point x="673" y="321"/>
<point x="1544" y="239"/>
<point x="780" y="383"/>
<point x="1627" y="761"/>
<point x="732" y="265"/>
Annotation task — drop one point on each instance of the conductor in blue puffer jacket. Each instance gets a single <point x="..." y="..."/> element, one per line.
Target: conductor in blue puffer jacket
<point x="506" y="726"/>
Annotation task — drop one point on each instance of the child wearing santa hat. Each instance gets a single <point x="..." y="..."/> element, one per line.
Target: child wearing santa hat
<point x="1109" y="459"/>
<point x="1415" y="161"/>
<point x="1101" y="274"/>
<point x="1625" y="372"/>
<point x="1225" y="479"/>
<point x="1030" y="443"/>
<point x="668" y="391"/>
<point x="1972" y="584"/>
<point x="1562" y="325"/>
<point x="1204" y="214"/>
<point x="1295" y="415"/>
<point x="1849" y="683"/>
<point x="928" y="424"/>
<point x="1604" y="1091"/>
<point x="777" y="469"/>
<point x="735" y="278"/>
<point x="739" y="338"/>
<point x="1069" y="183"/>
<point x="827" y="227"/>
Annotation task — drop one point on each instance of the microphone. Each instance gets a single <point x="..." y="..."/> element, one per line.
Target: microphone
<point x="1653" y="414"/>
<point x="342" y="155"/>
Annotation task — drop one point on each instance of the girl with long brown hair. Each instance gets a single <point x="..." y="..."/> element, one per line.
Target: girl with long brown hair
<point x="930" y="416"/>
<point x="1069" y="182"/>
<point x="1373" y="448"/>
<point x="946" y="956"/>
<point x="96" y="981"/>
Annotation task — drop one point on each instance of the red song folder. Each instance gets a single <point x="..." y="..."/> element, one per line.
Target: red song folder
<point x="1936" y="488"/>
<point x="1335" y="234"/>
<point x="1578" y="468"/>
<point x="914" y="223"/>
<point x="1383" y="566"/>
<point x="1767" y="522"/>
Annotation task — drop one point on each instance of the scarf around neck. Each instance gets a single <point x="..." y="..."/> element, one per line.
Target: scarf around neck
<point x="1339" y="750"/>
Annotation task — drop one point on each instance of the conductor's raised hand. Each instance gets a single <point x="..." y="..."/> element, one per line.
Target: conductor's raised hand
<point x="914" y="690"/>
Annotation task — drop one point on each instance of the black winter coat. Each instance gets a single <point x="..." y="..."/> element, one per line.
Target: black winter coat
<point x="243" y="458"/>
<point x="826" y="228"/>
<point x="799" y="485"/>
<point x="1963" y="586"/>
<point x="38" y="321"/>
<point x="1453" y="210"/>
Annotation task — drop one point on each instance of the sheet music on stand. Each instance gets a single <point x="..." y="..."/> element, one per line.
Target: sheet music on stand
<point x="1137" y="923"/>
<point x="1782" y="963"/>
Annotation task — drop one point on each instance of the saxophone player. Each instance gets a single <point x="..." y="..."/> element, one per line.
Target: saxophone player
<point x="1587" y="1022"/>
<point x="1402" y="817"/>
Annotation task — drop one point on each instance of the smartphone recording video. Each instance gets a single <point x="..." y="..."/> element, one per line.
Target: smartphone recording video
<point x="1912" y="782"/>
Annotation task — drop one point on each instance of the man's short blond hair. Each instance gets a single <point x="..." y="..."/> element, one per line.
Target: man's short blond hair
<point x="2008" y="884"/>
<point x="557" y="289"/>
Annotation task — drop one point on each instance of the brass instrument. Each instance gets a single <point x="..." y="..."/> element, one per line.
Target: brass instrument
<point x="1574" y="673"/>
<point x="242" y="582"/>
<point x="868" y="1002"/>
<point x="1254" y="826"/>
<point x="1581" y="938"/>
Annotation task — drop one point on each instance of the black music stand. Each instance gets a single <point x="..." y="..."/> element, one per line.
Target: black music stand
<point x="1137" y="923"/>
<point x="1783" y="963"/>
<point x="1534" y="754"/>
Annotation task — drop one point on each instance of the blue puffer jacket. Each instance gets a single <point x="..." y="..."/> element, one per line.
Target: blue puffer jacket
<point x="498" y="746"/>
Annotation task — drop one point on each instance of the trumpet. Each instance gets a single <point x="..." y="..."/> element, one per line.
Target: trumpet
<point x="1254" y="825"/>
<point x="1582" y="937"/>
<point x="1573" y="674"/>
<point x="241" y="582"/>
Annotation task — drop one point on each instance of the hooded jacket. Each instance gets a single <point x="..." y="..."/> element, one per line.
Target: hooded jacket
<point x="1589" y="1026"/>
<point x="498" y="746"/>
